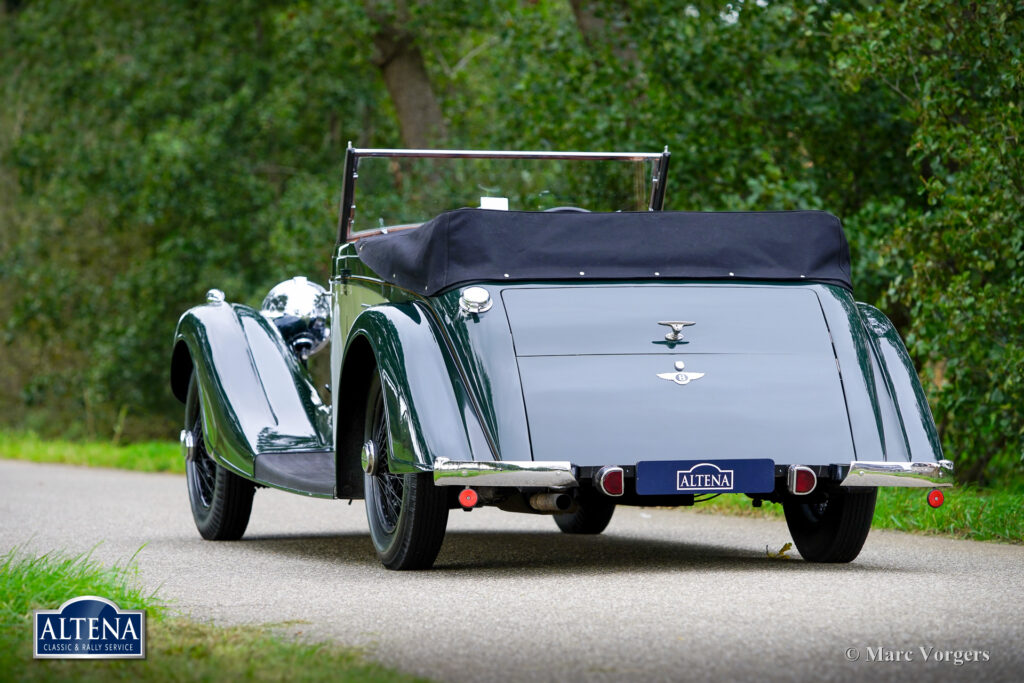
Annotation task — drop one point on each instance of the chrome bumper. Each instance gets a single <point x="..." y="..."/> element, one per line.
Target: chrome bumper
<point x="922" y="474"/>
<point x="503" y="473"/>
<point x="527" y="473"/>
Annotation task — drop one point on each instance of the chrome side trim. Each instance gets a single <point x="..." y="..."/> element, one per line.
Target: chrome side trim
<point x="503" y="473"/>
<point x="918" y="474"/>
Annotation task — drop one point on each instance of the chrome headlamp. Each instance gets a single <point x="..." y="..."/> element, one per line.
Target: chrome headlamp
<point x="301" y="310"/>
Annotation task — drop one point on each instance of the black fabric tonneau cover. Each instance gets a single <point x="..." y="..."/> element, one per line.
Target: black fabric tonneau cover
<point x="469" y="245"/>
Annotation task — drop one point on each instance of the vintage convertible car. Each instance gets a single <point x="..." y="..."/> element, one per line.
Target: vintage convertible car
<point x="533" y="331"/>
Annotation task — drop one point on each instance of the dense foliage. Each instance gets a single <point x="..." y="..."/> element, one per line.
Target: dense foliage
<point x="958" y="261"/>
<point x="149" y="152"/>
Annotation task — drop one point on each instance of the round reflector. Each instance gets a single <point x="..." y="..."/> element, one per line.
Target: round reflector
<point x="468" y="498"/>
<point x="936" y="498"/>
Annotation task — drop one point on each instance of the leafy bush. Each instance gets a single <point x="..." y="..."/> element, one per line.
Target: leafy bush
<point x="959" y="70"/>
<point x="148" y="153"/>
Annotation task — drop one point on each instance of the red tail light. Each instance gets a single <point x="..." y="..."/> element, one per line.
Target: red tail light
<point x="801" y="480"/>
<point x="936" y="498"/>
<point x="610" y="480"/>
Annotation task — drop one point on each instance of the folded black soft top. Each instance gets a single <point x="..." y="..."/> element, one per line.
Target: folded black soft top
<point x="469" y="245"/>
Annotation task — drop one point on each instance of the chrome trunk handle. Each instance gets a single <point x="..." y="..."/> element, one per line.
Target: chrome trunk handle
<point x="677" y="328"/>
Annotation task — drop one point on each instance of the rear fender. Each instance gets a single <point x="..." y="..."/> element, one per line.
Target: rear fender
<point x="429" y="411"/>
<point x="901" y="387"/>
<point x="256" y="397"/>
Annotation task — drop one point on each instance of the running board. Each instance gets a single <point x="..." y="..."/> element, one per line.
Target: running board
<point x="309" y="472"/>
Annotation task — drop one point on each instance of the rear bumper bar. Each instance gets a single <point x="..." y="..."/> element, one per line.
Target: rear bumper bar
<point x="529" y="474"/>
<point x="913" y="474"/>
<point x="524" y="473"/>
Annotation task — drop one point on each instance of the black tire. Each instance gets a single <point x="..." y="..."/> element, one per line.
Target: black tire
<point x="592" y="515"/>
<point x="833" y="525"/>
<point x="407" y="514"/>
<point x="221" y="500"/>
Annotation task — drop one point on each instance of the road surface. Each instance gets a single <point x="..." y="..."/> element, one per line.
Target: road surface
<point x="662" y="595"/>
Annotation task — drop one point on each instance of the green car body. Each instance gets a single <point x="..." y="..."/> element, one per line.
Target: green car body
<point x="529" y="402"/>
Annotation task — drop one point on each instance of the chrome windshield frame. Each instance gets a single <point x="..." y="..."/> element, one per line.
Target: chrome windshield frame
<point x="354" y="154"/>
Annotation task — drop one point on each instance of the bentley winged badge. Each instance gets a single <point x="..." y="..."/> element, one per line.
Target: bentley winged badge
<point x="680" y="377"/>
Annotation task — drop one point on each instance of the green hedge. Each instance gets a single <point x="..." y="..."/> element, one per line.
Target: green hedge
<point x="148" y="153"/>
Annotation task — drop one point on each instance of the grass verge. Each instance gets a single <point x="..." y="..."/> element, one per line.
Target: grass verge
<point x="178" y="649"/>
<point x="148" y="456"/>
<point x="969" y="512"/>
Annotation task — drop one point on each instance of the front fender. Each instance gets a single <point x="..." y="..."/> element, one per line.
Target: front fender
<point x="430" y="413"/>
<point x="902" y="387"/>
<point x="255" y="395"/>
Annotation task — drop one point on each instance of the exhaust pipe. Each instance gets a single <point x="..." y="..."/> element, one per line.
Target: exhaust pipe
<point x="551" y="502"/>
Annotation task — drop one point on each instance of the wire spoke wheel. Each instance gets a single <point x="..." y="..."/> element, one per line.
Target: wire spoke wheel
<point x="221" y="501"/>
<point x="407" y="514"/>
<point x="388" y="487"/>
<point x="201" y="469"/>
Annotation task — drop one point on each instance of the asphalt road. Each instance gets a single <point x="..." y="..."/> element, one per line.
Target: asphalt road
<point x="662" y="595"/>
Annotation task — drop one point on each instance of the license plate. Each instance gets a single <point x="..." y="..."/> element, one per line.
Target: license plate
<point x="660" y="477"/>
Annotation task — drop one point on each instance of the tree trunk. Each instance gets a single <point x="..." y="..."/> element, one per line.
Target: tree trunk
<point x="405" y="75"/>
<point x="596" y="30"/>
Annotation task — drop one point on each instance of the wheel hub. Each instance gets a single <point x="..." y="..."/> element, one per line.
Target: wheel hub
<point x="188" y="444"/>
<point x="368" y="458"/>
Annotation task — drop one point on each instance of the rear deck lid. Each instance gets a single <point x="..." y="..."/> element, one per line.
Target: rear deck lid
<point x="754" y="377"/>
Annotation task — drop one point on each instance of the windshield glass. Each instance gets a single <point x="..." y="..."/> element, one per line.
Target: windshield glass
<point x="397" y="191"/>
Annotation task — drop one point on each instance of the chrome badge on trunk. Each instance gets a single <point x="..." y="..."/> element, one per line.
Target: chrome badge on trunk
<point x="680" y="377"/>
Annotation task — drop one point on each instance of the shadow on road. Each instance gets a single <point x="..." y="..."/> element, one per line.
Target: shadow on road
<point x="543" y="553"/>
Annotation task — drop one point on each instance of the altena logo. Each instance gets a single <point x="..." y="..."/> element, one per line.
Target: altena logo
<point x="89" y="627"/>
<point x="704" y="476"/>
